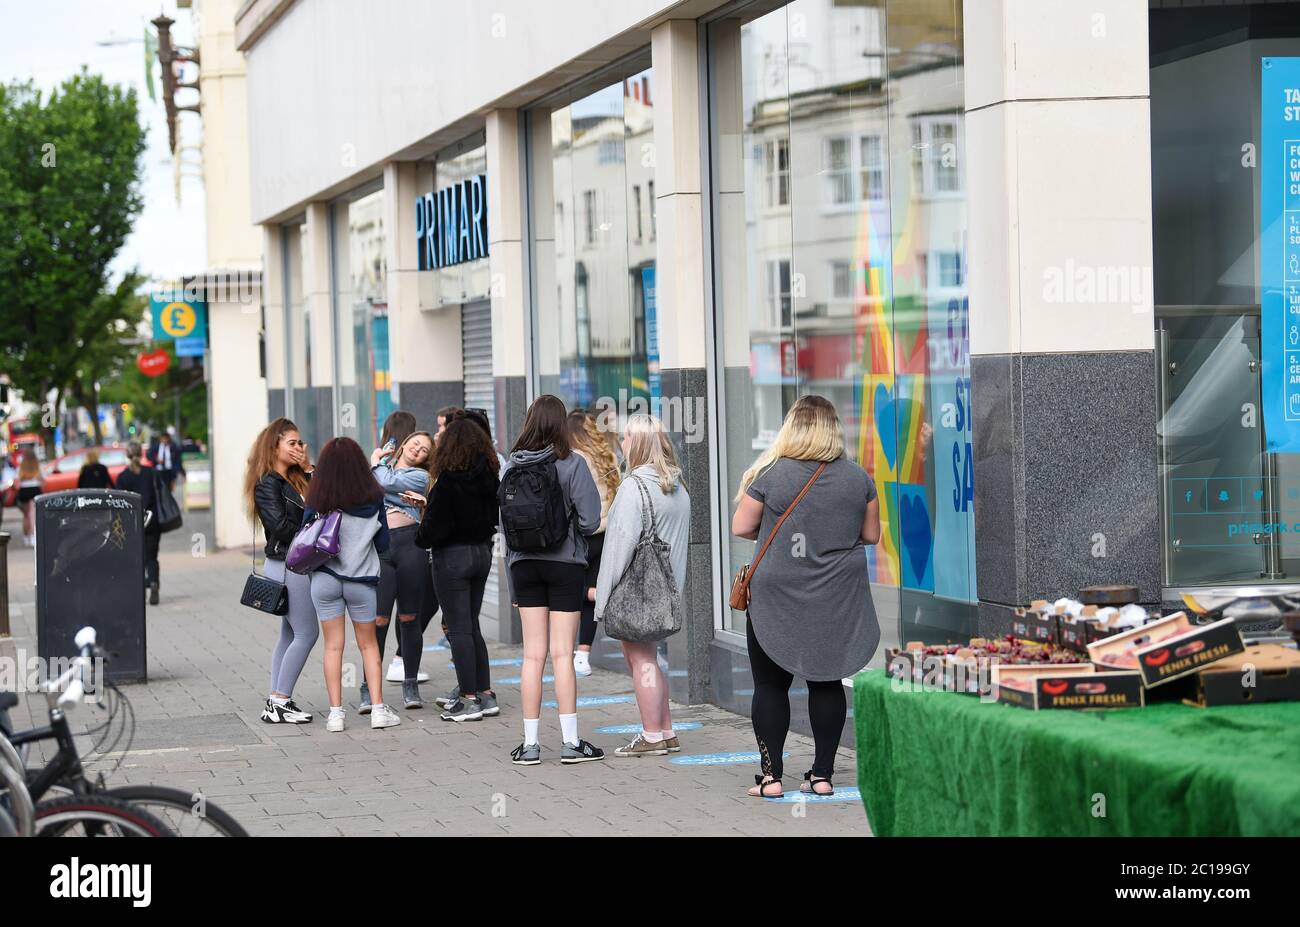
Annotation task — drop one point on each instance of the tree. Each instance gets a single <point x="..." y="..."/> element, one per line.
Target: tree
<point x="111" y="353"/>
<point x="70" y="169"/>
<point x="153" y="399"/>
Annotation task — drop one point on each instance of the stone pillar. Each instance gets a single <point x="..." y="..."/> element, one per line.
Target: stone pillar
<point x="273" y="319"/>
<point x="682" y="314"/>
<point x="1061" y="306"/>
<point x="316" y="270"/>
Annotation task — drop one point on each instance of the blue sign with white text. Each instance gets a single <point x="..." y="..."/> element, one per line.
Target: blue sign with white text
<point x="1279" y="250"/>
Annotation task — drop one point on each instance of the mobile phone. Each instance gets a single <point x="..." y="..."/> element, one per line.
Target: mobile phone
<point x="390" y="446"/>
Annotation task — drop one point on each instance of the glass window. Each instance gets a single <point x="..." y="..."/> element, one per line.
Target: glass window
<point x="591" y="157"/>
<point x="302" y="403"/>
<point x="810" y="108"/>
<point x="361" y="317"/>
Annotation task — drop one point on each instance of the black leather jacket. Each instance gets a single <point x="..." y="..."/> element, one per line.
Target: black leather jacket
<point x="280" y="509"/>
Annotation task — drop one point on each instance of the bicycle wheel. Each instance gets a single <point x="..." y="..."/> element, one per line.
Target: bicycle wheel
<point x="96" y="816"/>
<point x="7" y="828"/>
<point x="189" y="814"/>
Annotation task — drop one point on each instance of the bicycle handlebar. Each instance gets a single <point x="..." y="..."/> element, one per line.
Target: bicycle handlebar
<point x="70" y="688"/>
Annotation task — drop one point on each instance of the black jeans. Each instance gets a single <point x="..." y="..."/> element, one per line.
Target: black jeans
<point x="404" y="579"/>
<point x="770" y="709"/>
<point x="587" y="629"/>
<point x="460" y="574"/>
<point x="151" y="539"/>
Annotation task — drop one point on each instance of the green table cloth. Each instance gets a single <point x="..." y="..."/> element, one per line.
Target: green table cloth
<point x="945" y="763"/>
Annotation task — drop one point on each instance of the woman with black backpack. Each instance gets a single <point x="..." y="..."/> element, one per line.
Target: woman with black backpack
<point x="549" y="504"/>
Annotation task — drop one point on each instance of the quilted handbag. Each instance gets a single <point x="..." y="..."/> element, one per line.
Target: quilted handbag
<point x="315" y="544"/>
<point x="262" y="592"/>
<point x="644" y="605"/>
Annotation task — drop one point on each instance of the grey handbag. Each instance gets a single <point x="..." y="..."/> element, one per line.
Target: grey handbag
<point x="644" y="606"/>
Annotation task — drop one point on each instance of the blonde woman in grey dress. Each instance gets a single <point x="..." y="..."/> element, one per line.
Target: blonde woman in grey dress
<point x="810" y="612"/>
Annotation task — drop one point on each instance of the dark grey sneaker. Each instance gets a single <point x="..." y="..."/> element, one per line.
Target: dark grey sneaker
<point x="446" y="701"/>
<point x="463" y="709"/>
<point x="489" y="703"/>
<point x="526" y="755"/>
<point x="363" y="703"/>
<point x="411" y="694"/>
<point x="581" y="752"/>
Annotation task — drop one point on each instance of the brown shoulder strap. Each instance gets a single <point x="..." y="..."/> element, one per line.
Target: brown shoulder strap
<point x="780" y="521"/>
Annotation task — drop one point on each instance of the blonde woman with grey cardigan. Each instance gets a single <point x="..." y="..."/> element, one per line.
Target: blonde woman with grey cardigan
<point x="652" y="463"/>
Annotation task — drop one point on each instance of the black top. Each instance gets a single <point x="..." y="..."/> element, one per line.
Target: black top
<point x="280" y="508"/>
<point x="94" y="476"/>
<point x="462" y="508"/>
<point x="143" y="483"/>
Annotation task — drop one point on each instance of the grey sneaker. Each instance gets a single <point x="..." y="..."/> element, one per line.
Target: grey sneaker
<point x="446" y="701"/>
<point x="463" y="709"/>
<point x="411" y="694"/>
<point x="581" y="752"/>
<point x="526" y="755"/>
<point x="488" y="701"/>
<point x="363" y="706"/>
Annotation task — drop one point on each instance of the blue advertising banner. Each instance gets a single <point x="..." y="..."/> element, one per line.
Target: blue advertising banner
<point x="1279" y="250"/>
<point x="954" y="468"/>
<point x="191" y="347"/>
<point x="651" y="330"/>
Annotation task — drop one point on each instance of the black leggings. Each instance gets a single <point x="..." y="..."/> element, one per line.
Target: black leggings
<point x="770" y="708"/>
<point x="405" y="579"/>
<point x="587" y="628"/>
<point x="461" y="574"/>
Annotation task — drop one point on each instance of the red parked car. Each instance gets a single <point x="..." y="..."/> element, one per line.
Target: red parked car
<point x="62" y="472"/>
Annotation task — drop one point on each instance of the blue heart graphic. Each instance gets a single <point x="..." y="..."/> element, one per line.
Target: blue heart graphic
<point x="886" y="423"/>
<point x="916" y="534"/>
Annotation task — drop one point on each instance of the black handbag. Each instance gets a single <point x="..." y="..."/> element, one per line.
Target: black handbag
<point x="169" y="512"/>
<point x="262" y="592"/>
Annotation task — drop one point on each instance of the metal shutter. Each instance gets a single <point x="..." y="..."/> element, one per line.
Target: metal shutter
<point x="480" y="392"/>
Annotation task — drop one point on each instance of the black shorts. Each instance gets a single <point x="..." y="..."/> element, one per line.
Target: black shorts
<point x="561" y="587"/>
<point x="27" y="494"/>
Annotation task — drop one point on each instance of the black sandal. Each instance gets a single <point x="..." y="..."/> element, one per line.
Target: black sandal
<point x="809" y="781"/>
<point x="763" y="783"/>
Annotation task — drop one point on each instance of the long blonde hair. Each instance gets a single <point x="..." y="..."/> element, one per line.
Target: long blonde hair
<point x="811" y="431"/>
<point x="29" y="467"/>
<point x="262" y="458"/>
<point x="649" y="444"/>
<point x="585" y="436"/>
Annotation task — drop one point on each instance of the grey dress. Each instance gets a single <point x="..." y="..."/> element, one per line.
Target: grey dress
<point x="813" y="614"/>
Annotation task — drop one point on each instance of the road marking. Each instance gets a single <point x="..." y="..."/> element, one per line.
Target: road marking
<point x="719" y="759"/>
<point x="636" y="728"/>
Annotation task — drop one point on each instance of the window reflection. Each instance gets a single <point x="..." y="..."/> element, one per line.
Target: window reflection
<point x="361" y="317"/>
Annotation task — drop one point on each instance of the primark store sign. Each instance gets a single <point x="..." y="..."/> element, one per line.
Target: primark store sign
<point x="451" y="224"/>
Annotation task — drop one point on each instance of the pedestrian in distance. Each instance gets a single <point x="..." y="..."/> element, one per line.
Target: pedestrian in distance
<point x="166" y="459"/>
<point x="29" y="487"/>
<point x="399" y="426"/>
<point x="94" y="475"/>
<point x="810" y="612"/>
<point x="549" y="505"/>
<point x="458" y="526"/>
<point x="143" y="481"/>
<point x="589" y="444"/>
<point x="653" y="494"/>
<point x="404" y="574"/>
<point x="346" y="583"/>
<point x="275" y="482"/>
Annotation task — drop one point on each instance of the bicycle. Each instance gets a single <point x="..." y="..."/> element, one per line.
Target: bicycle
<point x="177" y="811"/>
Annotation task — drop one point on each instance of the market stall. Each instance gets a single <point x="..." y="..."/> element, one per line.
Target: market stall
<point x="1195" y="748"/>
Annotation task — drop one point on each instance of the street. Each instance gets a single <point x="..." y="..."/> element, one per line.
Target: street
<point x="197" y="728"/>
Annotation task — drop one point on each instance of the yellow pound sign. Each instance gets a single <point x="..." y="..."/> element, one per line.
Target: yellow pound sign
<point x="178" y="319"/>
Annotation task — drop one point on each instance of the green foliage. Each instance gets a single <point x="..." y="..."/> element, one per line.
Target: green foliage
<point x="70" y="170"/>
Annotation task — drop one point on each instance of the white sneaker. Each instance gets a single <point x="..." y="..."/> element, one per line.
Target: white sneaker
<point x="334" y="723"/>
<point x="581" y="663"/>
<point x="397" y="672"/>
<point x="383" y="716"/>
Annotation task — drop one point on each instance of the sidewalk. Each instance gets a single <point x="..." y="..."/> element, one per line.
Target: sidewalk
<point x="197" y="727"/>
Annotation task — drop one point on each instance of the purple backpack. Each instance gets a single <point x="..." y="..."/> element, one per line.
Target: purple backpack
<point x="315" y="544"/>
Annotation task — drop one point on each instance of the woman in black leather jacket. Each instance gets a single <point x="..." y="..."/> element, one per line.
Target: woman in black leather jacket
<point x="274" y="485"/>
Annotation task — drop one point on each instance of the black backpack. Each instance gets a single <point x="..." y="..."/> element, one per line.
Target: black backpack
<point x="534" y="515"/>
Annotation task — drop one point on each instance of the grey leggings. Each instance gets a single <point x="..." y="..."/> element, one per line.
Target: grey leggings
<point x="298" y="629"/>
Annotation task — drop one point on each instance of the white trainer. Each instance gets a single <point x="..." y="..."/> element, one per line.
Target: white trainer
<point x="334" y="723"/>
<point x="581" y="663"/>
<point x="382" y="716"/>
<point x="397" y="672"/>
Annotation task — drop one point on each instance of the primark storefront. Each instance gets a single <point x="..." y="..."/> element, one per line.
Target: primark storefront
<point x="902" y="205"/>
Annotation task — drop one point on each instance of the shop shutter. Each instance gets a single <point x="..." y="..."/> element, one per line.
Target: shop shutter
<point x="476" y="358"/>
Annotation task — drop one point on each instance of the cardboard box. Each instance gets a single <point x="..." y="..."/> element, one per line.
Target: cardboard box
<point x="1167" y="649"/>
<point x="1263" y="673"/>
<point x="1032" y="625"/>
<point x="1077" y="686"/>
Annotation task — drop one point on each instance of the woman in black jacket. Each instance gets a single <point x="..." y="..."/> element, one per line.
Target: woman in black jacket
<point x="94" y="475"/>
<point x="458" y="524"/>
<point x="142" y="481"/>
<point x="274" y="484"/>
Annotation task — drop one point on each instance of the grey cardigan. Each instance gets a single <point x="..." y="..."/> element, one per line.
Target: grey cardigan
<point x="672" y="524"/>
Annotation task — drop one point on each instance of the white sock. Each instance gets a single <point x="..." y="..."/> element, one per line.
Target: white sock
<point x="653" y="737"/>
<point x="397" y="661"/>
<point x="530" y="731"/>
<point x="336" y="709"/>
<point x="669" y="734"/>
<point x="569" y="728"/>
<point x="276" y="700"/>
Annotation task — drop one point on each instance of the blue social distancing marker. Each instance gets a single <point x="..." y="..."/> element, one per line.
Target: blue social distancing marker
<point x="794" y="693"/>
<point x="636" y="728"/>
<point x="676" y="673"/>
<point x="432" y="648"/>
<point x="796" y="797"/>
<point x="719" y="759"/>
<point x="593" y="700"/>
<point x="515" y="680"/>
<point x="503" y="661"/>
